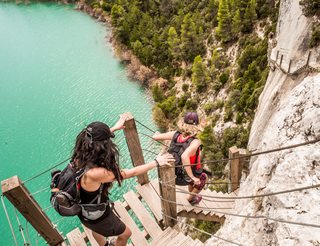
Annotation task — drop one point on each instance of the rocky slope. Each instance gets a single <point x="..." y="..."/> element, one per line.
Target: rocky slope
<point x="288" y="113"/>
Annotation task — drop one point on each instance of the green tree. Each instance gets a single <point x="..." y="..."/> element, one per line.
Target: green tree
<point x="223" y="30"/>
<point x="250" y="16"/>
<point x="188" y="36"/>
<point x="236" y="23"/>
<point x="199" y="74"/>
<point x="174" y="44"/>
<point x="310" y="7"/>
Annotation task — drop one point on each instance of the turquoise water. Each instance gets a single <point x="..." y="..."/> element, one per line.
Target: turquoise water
<point x="57" y="74"/>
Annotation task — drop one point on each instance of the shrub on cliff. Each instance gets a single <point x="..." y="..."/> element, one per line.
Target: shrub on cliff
<point x="310" y="7"/>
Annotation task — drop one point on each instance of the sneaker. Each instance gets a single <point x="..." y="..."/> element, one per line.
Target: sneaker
<point x="203" y="179"/>
<point x="196" y="199"/>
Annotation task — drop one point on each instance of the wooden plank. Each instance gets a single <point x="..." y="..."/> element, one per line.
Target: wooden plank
<point x="75" y="238"/>
<point x="198" y="242"/>
<point x="168" y="193"/>
<point x="90" y="237"/>
<point x="149" y="224"/>
<point x="133" y="142"/>
<point x="168" y="238"/>
<point x="137" y="236"/>
<point x="149" y="194"/>
<point x="161" y="235"/>
<point x="188" y="242"/>
<point x="20" y="197"/>
<point x="182" y="198"/>
<point x="218" y="204"/>
<point x="201" y="216"/>
<point x="177" y="240"/>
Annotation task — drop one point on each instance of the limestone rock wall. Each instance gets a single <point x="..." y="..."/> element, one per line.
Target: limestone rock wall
<point x="288" y="113"/>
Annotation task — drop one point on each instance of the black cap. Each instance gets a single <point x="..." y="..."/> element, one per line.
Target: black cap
<point x="191" y="118"/>
<point x="98" y="131"/>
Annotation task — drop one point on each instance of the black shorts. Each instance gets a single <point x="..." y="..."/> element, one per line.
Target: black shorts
<point x="184" y="179"/>
<point x="110" y="225"/>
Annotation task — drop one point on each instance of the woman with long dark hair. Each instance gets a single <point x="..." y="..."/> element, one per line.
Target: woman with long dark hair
<point x="99" y="156"/>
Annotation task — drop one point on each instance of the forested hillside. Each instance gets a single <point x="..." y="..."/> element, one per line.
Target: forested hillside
<point x="213" y="57"/>
<point x="213" y="54"/>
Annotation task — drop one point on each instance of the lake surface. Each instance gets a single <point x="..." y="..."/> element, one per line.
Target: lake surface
<point x="57" y="74"/>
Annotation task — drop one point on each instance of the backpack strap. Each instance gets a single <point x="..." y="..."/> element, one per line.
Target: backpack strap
<point x="175" y="136"/>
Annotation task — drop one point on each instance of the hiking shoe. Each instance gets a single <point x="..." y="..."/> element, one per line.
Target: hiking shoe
<point x="196" y="199"/>
<point x="203" y="179"/>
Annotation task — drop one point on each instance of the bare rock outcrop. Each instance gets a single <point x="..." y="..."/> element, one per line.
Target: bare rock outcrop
<point x="288" y="114"/>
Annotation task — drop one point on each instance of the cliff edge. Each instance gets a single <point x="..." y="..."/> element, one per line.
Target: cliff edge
<point x="288" y="114"/>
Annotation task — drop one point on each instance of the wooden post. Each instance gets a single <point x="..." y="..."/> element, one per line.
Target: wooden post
<point x="133" y="142"/>
<point x="168" y="193"/>
<point x="281" y="58"/>
<point x="20" y="197"/>
<point x="235" y="171"/>
<point x="308" y="59"/>
<point x="277" y="56"/>
<point x="289" y="66"/>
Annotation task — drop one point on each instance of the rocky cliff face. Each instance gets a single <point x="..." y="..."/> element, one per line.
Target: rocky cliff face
<point x="288" y="114"/>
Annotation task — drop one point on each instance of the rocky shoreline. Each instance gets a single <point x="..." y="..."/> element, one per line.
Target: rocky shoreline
<point x="135" y="69"/>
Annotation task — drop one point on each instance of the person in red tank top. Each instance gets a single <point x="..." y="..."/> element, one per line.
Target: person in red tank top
<point x="194" y="177"/>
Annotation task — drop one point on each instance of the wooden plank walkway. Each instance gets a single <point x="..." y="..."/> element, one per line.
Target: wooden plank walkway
<point x="150" y="233"/>
<point x="205" y="210"/>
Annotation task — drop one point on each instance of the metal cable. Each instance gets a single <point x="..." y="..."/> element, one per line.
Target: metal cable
<point x="250" y="155"/>
<point x="27" y="232"/>
<point x="204" y="232"/>
<point x="246" y="197"/>
<point x="153" y="131"/>
<point x="39" y="191"/>
<point x="47" y="208"/>
<point x="153" y="139"/>
<point x="45" y="171"/>
<point x="9" y="221"/>
<point x="20" y="228"/>
<point x="150" y="151"/>
<point x="243" y="216"/>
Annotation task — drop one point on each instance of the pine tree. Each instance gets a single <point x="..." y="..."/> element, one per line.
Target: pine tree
<point x="250" y="16"/>
<point x="174" y="44"/>
<point x="188" y="36"/>
<point x="223" y="30"/>
<point x="200" y="76"/>
<point x="236" y="23"/>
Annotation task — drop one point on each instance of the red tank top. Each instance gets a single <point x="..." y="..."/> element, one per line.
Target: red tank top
<point x="194" y="158"/>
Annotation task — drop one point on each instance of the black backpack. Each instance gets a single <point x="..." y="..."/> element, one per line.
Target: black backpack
<point x="65" y="195"/>
<point x="176" y="149"/>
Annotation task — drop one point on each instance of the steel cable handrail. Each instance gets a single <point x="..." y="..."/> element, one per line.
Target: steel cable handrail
<point x="199" y="230"/>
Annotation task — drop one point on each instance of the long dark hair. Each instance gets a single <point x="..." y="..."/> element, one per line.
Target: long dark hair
<point x="94" y="148"/>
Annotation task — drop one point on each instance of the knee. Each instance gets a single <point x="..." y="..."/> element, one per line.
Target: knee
<point x="127" y="233"/>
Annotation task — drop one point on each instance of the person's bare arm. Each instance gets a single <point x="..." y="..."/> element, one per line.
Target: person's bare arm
<point x="101" y="175"/>
<point x="185" y="158"/>
<point x="163" y="160"/>
<point x="163" y="136"/>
